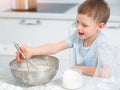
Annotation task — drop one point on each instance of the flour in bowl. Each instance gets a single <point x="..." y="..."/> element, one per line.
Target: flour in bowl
<point x="32" y="68"/>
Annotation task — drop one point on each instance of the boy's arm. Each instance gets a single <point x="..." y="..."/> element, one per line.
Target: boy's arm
<point x="104" y="72"/>
<point x="50" y="48"/>
<point x="86" y="70"/>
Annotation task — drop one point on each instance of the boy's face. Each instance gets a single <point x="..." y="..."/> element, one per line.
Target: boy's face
<point x="87" y="28"/>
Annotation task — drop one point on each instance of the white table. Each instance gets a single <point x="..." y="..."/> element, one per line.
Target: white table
<point x="89" y="83"/>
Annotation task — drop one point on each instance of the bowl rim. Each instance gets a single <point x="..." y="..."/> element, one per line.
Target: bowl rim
<point x="55" y="58"/>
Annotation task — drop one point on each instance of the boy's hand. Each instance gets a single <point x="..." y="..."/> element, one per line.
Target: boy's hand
<point x="26" y="50"/>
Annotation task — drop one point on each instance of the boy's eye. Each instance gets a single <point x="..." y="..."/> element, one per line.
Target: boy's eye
<point x="85" y="25"/>
<point x="77" y="22"/>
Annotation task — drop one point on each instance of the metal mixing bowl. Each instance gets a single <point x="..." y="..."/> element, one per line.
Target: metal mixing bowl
<point x="35" y="77"/>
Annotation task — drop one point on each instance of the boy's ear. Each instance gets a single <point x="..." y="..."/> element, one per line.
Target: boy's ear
<point x="101" y="26"/>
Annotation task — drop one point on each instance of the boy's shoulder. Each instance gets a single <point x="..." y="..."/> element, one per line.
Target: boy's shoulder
<point x="102" y="40"/>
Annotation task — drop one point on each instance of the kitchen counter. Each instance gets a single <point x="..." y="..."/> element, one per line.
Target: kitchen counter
<point x="70" y="14"/>
<point x="37" y="15"/>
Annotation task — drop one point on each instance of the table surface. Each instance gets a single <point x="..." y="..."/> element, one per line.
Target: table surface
<point x="89" y="83"/>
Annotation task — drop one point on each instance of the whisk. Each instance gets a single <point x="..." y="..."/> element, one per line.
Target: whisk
<point x="24" y="57"/>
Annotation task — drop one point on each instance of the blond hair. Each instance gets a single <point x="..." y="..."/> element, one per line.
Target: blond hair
<point x="97" y="9"/>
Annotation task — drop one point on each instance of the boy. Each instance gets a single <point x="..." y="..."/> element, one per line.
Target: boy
<point x="87" y="39"/>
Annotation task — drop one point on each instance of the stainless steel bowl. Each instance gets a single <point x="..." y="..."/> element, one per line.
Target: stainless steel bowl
<point x="35" y="77"/>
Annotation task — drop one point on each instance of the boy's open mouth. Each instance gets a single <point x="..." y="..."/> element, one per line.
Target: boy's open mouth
<point x="80" y="33"/>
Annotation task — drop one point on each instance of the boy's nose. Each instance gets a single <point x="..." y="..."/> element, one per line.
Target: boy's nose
<point x="78" y="27"/>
